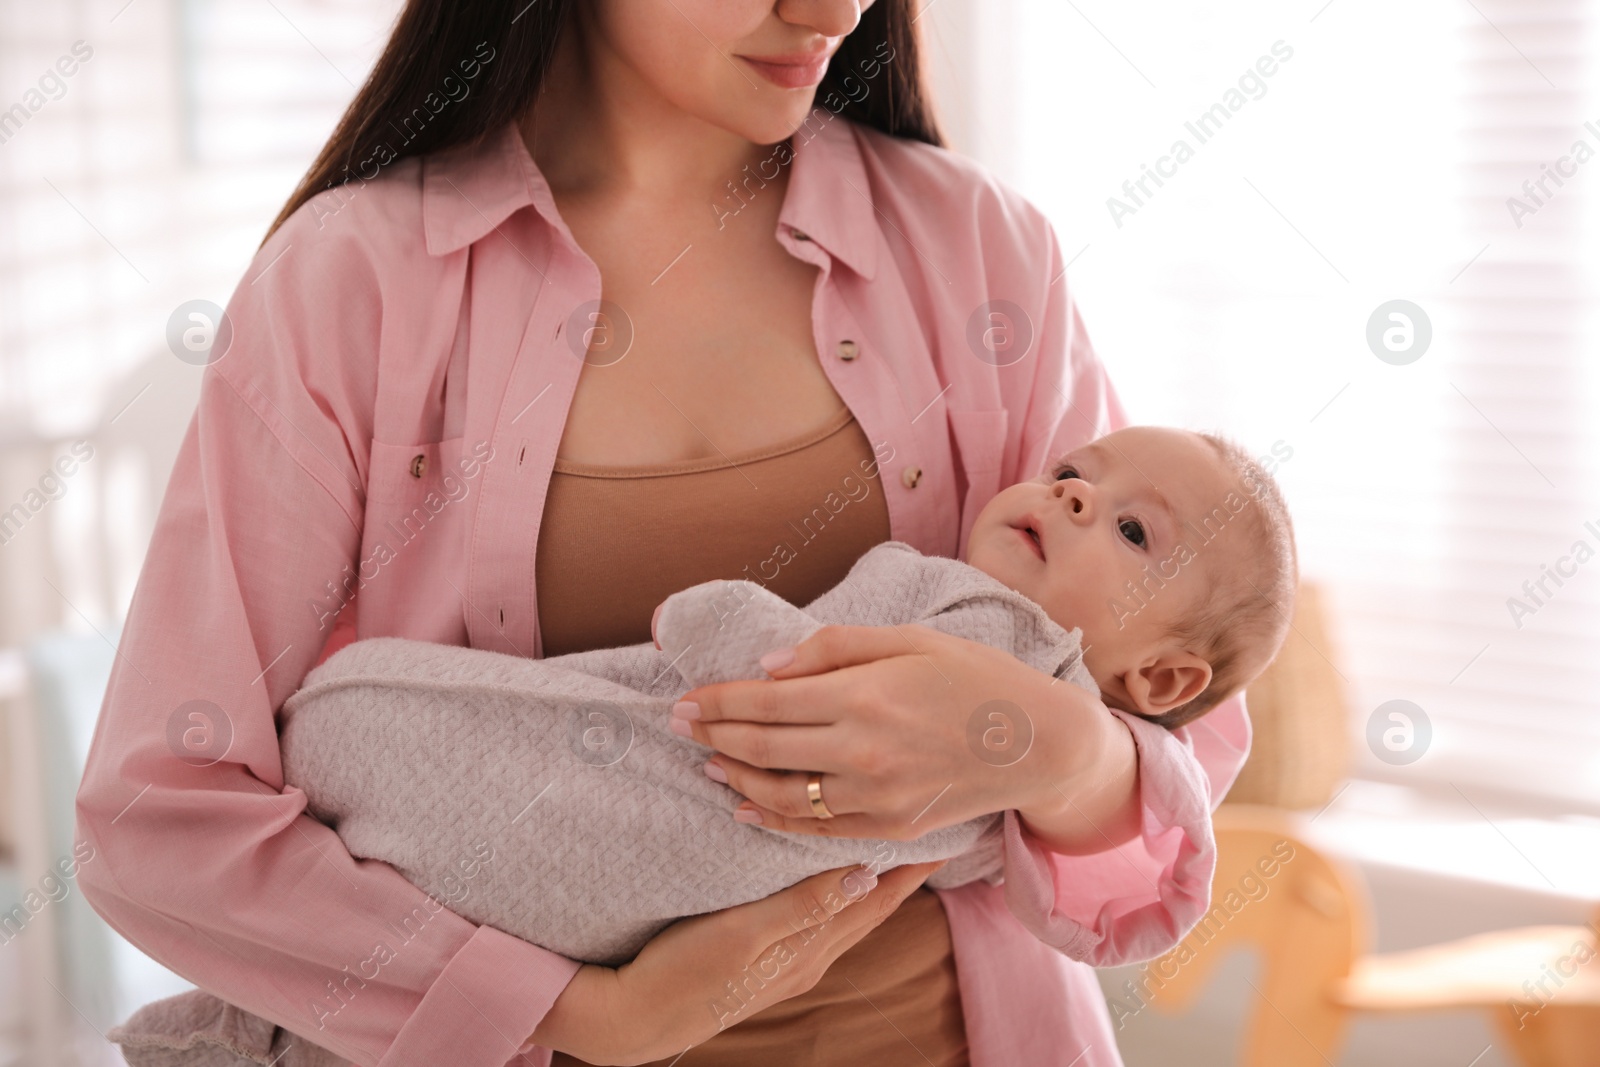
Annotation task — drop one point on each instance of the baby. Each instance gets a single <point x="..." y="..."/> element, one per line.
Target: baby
<point x="549" y="798"/>
<point x="1171" y="551"/>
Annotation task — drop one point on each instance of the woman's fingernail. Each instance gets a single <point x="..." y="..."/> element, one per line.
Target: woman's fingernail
<point x="860" y="880"/>
<point x="686" y="709"/>
<point x="716" y="773"/>
<point x="750" y="815"/>
<point x="777" y="659"/>
<point x="680" y="727"/>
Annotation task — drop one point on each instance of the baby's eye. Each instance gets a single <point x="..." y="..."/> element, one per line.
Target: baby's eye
<point x="1133" y="530"/>
<point x="1065" y="471"/>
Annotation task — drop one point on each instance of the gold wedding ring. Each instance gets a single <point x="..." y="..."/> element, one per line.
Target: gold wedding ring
<point x="814" y="794"/>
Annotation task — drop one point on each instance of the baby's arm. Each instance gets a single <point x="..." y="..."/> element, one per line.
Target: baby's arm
<point x="718" y="631"/>
<point x="1005" y="620"/>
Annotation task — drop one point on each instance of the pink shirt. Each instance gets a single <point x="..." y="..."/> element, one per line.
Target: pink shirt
<point x="385" y="420"/>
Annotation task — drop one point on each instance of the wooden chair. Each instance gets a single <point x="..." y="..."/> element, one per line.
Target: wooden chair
<point x="1304" y="914"/>
<point x="1308" y="920"/>
<point x="1539" y="984"/>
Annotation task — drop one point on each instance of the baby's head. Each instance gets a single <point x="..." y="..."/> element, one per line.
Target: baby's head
<point x="1171" y="550"/>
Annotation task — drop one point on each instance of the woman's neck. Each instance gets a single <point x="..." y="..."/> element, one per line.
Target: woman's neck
<point x="598" y="130"/>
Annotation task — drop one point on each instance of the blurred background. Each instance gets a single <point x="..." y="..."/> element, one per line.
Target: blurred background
<point x="1360" y="237"/>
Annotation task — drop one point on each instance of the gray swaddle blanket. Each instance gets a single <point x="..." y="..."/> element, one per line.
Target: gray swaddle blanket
<point x="587" y="825"/>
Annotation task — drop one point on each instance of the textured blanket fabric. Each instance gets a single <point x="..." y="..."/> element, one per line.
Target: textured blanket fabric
<point x="547" y="798"/>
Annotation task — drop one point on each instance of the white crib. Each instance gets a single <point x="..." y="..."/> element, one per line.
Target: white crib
<point x="67" y="572"/>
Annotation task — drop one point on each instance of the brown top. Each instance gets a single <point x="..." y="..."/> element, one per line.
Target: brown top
<point x="616" y="541"/>
<point x="794" y="517"/>
<point x="889" y="1001"/>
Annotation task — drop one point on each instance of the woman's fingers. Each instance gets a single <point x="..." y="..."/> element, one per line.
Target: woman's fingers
<point x="852" y="924"/>
<point x="838" y="912"/>
<point x="782" y="791"/>
<point x="778" y="800"/>
<point x="797" y="702"/>
<point x="810" y="925"/>
<point x="836" y="646"/>
<point x="832" y="648"/>
<point x="705" y="973"/>
<point x="812" y="747"/>
<point x="856" y="825"/>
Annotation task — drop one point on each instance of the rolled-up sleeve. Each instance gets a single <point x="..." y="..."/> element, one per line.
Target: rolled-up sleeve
<point x="202" y="857"/>
<point x="1137" y="900"/>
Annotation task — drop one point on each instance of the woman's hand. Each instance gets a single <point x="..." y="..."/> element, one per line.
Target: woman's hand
<point x="701" y="975"/>
<point x="913" y="730"/>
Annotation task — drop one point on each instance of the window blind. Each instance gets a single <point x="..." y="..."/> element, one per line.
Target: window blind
<point x="144" y="149"/>
<point x="1374" y="163"/>
<point x="147" y="176"/>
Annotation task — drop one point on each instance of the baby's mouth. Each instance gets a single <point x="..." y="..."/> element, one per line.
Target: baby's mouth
<point x="1033" y="536"/>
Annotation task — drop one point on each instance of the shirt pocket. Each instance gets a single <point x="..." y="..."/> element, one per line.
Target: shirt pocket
<point x="980" y="437"/>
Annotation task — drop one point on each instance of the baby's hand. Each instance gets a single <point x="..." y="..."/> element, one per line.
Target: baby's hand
<point x="654" y="618"/>
<point x="718" y="631"/>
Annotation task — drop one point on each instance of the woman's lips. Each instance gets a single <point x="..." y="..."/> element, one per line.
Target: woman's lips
<point x="791" y="73"/>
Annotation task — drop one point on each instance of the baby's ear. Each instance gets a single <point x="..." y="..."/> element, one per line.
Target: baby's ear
<point x="1170" y="679"/>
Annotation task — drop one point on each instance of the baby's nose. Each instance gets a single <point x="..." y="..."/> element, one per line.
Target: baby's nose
<point x="1077" y="501"/>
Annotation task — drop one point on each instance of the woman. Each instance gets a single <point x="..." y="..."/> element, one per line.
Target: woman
<point x="584" y="303"/>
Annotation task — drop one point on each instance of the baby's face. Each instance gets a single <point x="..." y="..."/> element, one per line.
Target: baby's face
<point x="1106" y="515"/>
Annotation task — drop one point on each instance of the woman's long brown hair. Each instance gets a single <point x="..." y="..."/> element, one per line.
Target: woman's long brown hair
<point x="436" y="43"/>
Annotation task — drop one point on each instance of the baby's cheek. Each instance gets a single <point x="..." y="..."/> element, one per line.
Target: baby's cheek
<point x="1084" y="602"/>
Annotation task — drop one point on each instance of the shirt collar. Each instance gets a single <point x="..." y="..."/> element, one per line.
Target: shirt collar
<point x="469" y="190"/>
<point x="830" y="198"/>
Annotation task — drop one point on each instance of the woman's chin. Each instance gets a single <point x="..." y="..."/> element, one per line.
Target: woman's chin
<point x="776" y="119"/>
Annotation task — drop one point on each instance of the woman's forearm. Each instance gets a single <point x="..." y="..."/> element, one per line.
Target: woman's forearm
<point x="578" y="1018"/>
<point x="1089" y="799"/>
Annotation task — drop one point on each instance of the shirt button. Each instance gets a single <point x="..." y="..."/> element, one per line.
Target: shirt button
<point x="419" y="463"/>
<point x="910" y="476"/>
<point x="848" y="350"/>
